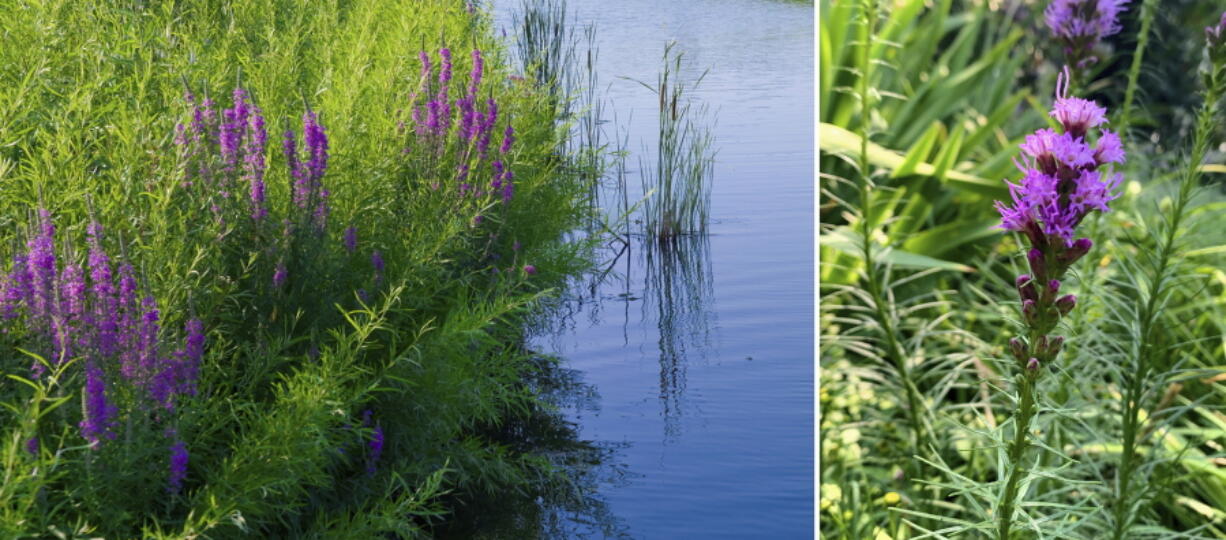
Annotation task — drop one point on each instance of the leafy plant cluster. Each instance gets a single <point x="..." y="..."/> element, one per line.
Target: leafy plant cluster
<point x="319" y="248"/>
<point x="923" y="108"/>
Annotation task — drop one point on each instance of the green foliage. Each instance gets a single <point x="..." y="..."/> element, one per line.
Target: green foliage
<point x="917" y="295"/>
<point x="278" y="444"/>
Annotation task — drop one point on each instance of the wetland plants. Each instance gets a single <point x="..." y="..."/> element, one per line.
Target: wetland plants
<point x="286" y="306"/>
<point x="678" y="184"/>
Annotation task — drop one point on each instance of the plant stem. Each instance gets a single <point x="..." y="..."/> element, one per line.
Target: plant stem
<point x="1017" y="450"/>
<point x="1134" y="71"/>
<point x="875" y="287"/>
<point x="1155" y="295"/>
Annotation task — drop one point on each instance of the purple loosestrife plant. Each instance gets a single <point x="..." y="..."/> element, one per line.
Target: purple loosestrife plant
<point x="178" y="467"/>
<point x="462" y="154"/>
<point x="309" y="194"/>
<point x="1065" y="176"/>
<point x="100" y="323"/>
<point x="1082" y="24"/>
<point x="222" y="157"/>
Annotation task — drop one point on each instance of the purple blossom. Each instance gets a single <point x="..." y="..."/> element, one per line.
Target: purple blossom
<point x="474" y="78"/>
<point x="376" y="260"/>
<point x="99" y="413"/>
<point x="1061" y="182"/>
<point x="1215" y="38"/>
<point x="351" y="239"/>
<point x="32" y="446"/>
<point x="279" y="275"/>
<point x="1081" y="24"/>
<point x="508" y="137"/>
<point x="529" y="269"/>
<point x="375" y="447"/>
<point x="178" y="467"/>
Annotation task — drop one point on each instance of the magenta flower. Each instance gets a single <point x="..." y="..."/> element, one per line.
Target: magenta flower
<point x="1062" y="177"/>
<point x="178" y="467"/>
<point x="1081" y="24"/>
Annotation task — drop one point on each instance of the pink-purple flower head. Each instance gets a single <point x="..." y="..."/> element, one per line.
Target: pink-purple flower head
<point x="1062" y="180"/>
<point x="1215" y="37"/>
<point x="1081" y="24"/>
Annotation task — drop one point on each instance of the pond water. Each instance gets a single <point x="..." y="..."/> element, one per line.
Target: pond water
<point x="698" y="363"/>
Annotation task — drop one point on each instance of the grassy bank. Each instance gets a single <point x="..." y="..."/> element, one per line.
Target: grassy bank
<point x="327" y="354"/>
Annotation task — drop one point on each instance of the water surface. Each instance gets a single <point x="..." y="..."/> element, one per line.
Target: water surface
<point x="700" y="359"/>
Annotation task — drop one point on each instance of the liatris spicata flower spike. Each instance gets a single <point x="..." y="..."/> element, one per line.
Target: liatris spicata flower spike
<point x="178" y="467"/>
<point x="1215" y="37"/>
<point x="1081" y="24"/>
<point x="1063" y="180"/>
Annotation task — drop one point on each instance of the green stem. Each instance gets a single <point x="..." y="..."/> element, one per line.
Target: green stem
<point x="1134" y="71"/>
<point x="1017" y="451"/>
<point x="1155" y="294"/>
<point x="875" y="288"/>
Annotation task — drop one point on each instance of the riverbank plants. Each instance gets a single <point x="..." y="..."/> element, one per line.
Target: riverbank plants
<point x="266" y="265"/>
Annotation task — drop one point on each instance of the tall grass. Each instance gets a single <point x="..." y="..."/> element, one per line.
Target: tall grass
<point x="679" y="183"/>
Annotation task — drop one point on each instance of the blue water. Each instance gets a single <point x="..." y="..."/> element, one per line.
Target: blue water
<point x="704" y="368"/>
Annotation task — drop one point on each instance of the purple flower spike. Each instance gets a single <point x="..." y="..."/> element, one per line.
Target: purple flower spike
<point x="279" y="275"/>
<point x="1081" y="24"/>
<point x="375" y="447"/>
<point x="99" y="413"/>
<point x="1061" y="181"/>
<point x="351" y="239"/>
<point x="32" y="446"/>
<point x="178" y="467"/>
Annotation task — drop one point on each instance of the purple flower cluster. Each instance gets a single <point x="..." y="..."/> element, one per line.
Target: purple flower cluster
<point x="100" y="322"/>
<point x="1081" y="24"/>
<point x="178" y="467"/>
<point x="240" y="139"/>
<point x="1063" y="175"/>
<point x="1063" y="179"/>
<point x="1215" y="37"/>
<point x="374" y="447"/>
<point x="308" y="191"/>
<point x="463" y="128"/>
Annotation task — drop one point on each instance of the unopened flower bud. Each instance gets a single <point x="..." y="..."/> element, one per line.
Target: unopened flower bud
<point x="1077" y="250"/>
<point x="1032" y="364"/>
<point x="1053" y="346"/>
<point x="1065" y="304"/>
<point x="1025" y="288"/>
<point x="1018" y="349"/>
<point x="1053" y="287"/>
<point x="1030" y="312"/>
<point x="1038" y="264"/>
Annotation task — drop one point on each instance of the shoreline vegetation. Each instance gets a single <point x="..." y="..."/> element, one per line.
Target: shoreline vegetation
<point x="266" y="267"/>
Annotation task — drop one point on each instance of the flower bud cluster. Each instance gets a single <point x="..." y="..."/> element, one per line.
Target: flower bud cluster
<point x="1063" y="180"/>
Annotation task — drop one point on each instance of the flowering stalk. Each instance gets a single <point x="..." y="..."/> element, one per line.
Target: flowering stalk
<point x="1081" y="24"/>
<point x="1156" y="285"/>
<point x="1064" y="178"/>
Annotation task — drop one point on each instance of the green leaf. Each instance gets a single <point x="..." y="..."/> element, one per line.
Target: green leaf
<point x="941" y="239"/>
<point x="834" y="139"/>
<point x="841" y="240"/>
